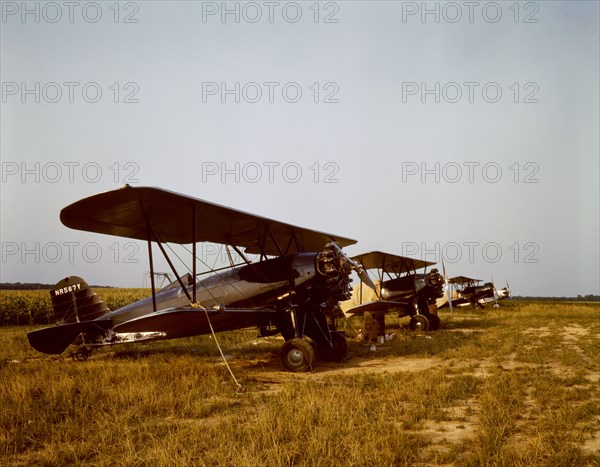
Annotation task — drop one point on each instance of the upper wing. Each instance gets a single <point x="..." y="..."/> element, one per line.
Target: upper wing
<point x="462" y="280"/>
<point x="389" y="262"/>
<point x="135" y="212"/>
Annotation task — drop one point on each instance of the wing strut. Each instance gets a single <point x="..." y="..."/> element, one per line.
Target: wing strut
<point x="268" y="231"/>
<point x="194" y="240"/>
<point x="162" y="249"/>
<point x="238" y="251"/>
<point x="151" y="271"/>
<point x="448" y="292"/>
<point x="291" y="283"/>
<point x="291" y="240"/>
<point x="150" y="258"/>
<point x="383" y="271"/>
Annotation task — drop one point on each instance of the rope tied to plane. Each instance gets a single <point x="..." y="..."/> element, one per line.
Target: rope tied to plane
<point x="214" y="335"/>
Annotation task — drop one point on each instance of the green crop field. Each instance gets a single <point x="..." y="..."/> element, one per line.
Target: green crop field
<point x="516" y="386"/>
<point x="34" y="307"/>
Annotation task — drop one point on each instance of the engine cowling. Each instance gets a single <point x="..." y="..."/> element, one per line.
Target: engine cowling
<point x="335" y="267"/>
<point x="436" y="282"/>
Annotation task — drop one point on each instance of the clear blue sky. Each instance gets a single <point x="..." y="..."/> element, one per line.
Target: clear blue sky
<point x="425" y="129"/>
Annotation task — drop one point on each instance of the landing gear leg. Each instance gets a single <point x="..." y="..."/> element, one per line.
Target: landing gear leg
<point x="434" y="320"/>
<point x="420" y="321"/>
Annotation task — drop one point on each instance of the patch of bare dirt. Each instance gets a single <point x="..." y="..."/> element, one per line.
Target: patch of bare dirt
<point x="571" y="335"/>
<point x="574" y="332"/>
<point x="271" y="372"/>
<point x="593" y="444"/>
<point x="543" y="331"/>
<point x="512" y="363"/>
<point x="454" y="432"/>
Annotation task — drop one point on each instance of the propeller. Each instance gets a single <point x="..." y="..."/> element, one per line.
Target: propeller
<point x="448" y="294"/>
<point x="495" y="293"/>
<point x="505" y="292"/>
<point x="363" y="274"/>
<point x="356" y="267"/>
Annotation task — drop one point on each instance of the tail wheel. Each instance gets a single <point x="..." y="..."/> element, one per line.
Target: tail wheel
<point x="419" y="323"/>
<point x="82" y="354"/>
<point x="434" y="322"/>
<point x="335" y="352"/>
<point x="297" y="355"/>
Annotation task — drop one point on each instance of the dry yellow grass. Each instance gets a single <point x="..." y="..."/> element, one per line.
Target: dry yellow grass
<point x="514" y="386"/>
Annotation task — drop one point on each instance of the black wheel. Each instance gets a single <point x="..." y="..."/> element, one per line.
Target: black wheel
<point x="335" y="352"/>
<point x="297" y="355"/>
<point x="419" y="323"/>
<point x="434" y="322"/>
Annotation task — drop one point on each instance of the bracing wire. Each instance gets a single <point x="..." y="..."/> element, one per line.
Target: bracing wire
<point x="345" y="318"/>
<point x="217" y="274"/>
<point x="207" y="289"/>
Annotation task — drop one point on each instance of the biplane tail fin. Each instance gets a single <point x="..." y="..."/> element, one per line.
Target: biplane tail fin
<point x="74" y="301"/>
<point x="76" y="310"/>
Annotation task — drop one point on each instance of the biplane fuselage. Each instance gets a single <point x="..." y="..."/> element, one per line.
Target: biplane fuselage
<point x="256" y="284"/>
<point x="255" y="295"/>
<point x="468" y="293"/>
<point x="411" y="287"/>
<point x="406" y="292"/>
<point x="479" y="293"/>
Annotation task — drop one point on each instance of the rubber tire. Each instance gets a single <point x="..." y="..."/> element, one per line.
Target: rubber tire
<point x="297" y="355"/>
<point x="419" y="323"/>
<point x="434" y="322"/>
<point x="337" y="352"/>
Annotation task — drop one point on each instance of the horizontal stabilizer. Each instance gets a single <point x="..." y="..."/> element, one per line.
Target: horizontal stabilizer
<point x="55" y="340"/>
<point x="375" y="305"/>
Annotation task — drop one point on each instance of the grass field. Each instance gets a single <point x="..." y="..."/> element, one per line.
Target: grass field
<point x="517" y="386"/>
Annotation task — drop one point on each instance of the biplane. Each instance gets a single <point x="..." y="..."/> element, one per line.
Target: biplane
<point x="503" y="293"/>
<point x="466" y="291"/>
<point x="401" y="289"/>
<point x="293" y="288"/>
